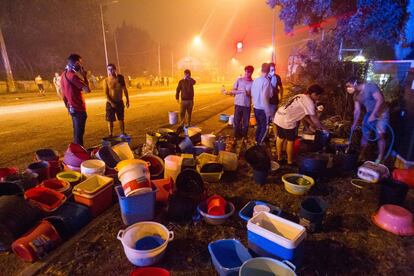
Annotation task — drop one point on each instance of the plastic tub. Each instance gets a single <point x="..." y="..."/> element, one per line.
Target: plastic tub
<point x="229" y="160"/>
<point x="394" y="219"/>
<point x="215" y="220"/>
<point x="108" y="155"/>
<point x="136" y="208"/>
<point x="150" y="271"/>
<point x="139" y="230"/>
<point x="95" y="192"/>
<point x="208" y="140"/>
<point x="246" y="212"/>
<point x="273" y="236"/>
<point x="228" y="256"/>
<point x="156" y="165"/>
<point x="206" y="158"/>
<point x="72" y="177"/>
<point x="75" y="155"/>
<point x="61" y="186"/>
<point x="93" y="166"/>
<point x="45" y="199"/>
<point x="297" y="188"/>
<point x="36" y="243"/>
<point x="266" y="266"/>
<point x="123" y="151"/>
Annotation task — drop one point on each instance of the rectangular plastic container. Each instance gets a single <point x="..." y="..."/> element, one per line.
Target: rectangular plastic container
<point x="136" y="208"/>
<point x="246" y="212"/>
<point x="95" y="192"/>
<point x="272" y="236"/>
<point x="210" y="177"/>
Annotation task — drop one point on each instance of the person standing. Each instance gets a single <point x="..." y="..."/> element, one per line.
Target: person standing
<point x="39" y="83"/>
<point x="276" y="87"/>
<point x="115" y="87"/>
<point x="288" y="117"/>
<point x="376" y="118"/>
<point x="56" y="82"/>
<point x="186" y="88"/>
<point x="261" y="90"/>
<point x="242" y="102"/>
<point x="73" y="83"/>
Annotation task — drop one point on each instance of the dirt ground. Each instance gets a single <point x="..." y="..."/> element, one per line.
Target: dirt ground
<point x="348" y="244"/>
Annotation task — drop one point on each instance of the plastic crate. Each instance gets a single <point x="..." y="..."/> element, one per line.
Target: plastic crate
<point x="136" y="208"/>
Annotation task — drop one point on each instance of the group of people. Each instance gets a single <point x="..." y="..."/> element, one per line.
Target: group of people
<point x="74" y="82"/>
<point x="265" y="92"/>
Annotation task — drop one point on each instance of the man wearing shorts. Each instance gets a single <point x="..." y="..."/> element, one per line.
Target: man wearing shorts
<point x="376" y="118"/>
<point x="288" y="117"/>
<point x="186" y="88"/>
<point x="114" y="87"/>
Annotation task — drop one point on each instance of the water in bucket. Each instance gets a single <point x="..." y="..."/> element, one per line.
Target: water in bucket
<point x="149" y="242"/>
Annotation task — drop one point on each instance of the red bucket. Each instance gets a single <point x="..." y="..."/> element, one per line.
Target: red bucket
<point x="8" y="171"/>
<point x="150" y="271"/>
<point x="216" y="205"/>
<point x="58" y="185"/>
<point x="36" y="243"/>
<point x="55" y="167"/>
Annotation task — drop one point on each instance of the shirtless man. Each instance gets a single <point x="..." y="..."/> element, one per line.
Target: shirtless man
<point x="114" y="86"/>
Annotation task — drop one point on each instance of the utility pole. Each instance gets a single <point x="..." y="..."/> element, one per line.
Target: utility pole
<point x="103" y="34"/>
<point x="159" y="59"/>
<point x="116" y="50"/>
<point x="10" y="82"/>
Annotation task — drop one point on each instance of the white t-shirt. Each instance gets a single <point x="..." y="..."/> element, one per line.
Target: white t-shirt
<point x="243" y="87"/>
<point x="288" y="115"/>
<point x="261" y="94"/>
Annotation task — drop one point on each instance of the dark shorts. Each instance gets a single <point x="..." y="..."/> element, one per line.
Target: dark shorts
<point x="118" y="110"/>
<point x="288" y="134"/>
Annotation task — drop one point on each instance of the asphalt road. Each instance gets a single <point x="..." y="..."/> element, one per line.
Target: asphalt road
<point x="29" y="126"/>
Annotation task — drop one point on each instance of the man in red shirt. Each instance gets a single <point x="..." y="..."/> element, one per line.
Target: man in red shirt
<point x="74" y="82"/>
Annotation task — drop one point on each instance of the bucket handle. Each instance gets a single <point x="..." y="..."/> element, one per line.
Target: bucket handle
<point x="120" y="235"/>
<point x="170" y="235"/>
<point x="289" y="264"/>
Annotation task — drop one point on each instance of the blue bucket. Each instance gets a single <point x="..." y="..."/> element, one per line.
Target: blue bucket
<point x="136" y="208"/>
<point x="186" y="145"/>
<point x="246" y="212"/>
<point x="260" y="177"/>
<point x="228" y="256"/>
<point x="224" y="117"/>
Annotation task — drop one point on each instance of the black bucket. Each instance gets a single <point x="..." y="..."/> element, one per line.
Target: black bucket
<point x="16" y="218"/>
<point x="10" y="188"/>
<point x="181" y="208"/>
<point x="313" y="164"/>
<point x="258" y="158"/>
<point x="392" y="192"/>
<point x="346" y="162"/>
<point x="260" y="177"/>
<point x="189" y="183"/>
<point x="312" y="212"/>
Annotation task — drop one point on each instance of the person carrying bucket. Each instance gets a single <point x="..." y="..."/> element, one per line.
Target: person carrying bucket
<point x="288" y="116"/>
<point x="74" y="82"/>
<point x="242" y="102"/>
<point x="115" y="87"/>
<point x="376" y="118"/>
<point x="186" y="88"/>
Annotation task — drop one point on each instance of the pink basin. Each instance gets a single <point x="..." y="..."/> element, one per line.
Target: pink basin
<point x="394" y="219"/>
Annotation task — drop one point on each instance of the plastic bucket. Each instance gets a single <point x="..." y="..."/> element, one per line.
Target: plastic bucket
<point x="138" y="231"/>
<point x="93" y="166"/>
<point x="228" y="255"/>
<point x="313" y="164"/>
<point x="55" y="167"/>
<point x="4" y="172"/>
<point x="135" y="179"/>
<point x="260" y="177"/>
<point x="75" y="155"/>
<point x="165" y="188"/>
<point x="72" y="177"/>
<point x="36" y="243"/>
<point x="312" y="212"/>
<point x="392" y="192"/>
<point x="46" y="155"/>
<point x="17" y="216"/>
<point x="173" y="117"/>
<point x="229" y="160"/>
<point x="156" y="166"/>
<point x="108" y="155"/>
<point x="208" y="140"/>
<point x="172" y="166"/>
<point x="189" y="183"/>
<point x="215" y="220"/>
<point x="41" y="168"/>
<point x="258" y="158"/>
<point x="186" y="145"/>
<point x="216" y="205"/>
<point x="265" y="267"/>
<point x="61" y="186"/>
<point x="123" y="151"/>
<point x="231" y="120"/>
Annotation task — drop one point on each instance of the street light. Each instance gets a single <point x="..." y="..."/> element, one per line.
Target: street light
<point x="197" y="40"/>
<point x="103" y="28"/>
